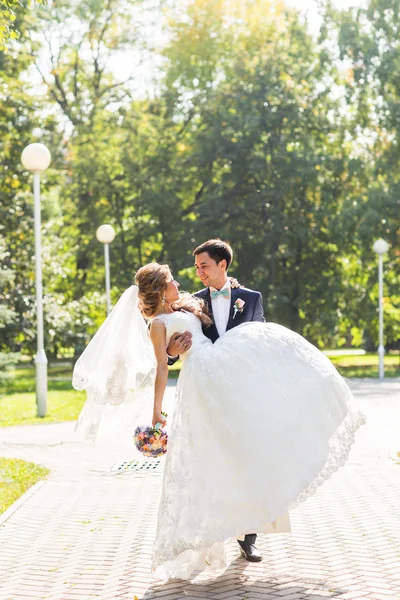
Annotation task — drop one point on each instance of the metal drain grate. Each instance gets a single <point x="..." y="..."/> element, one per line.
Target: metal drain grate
<point x="142" y="466"/>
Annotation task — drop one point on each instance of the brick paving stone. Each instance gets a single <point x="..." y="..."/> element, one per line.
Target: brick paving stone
<point x="259" y="596"/>
<point x="381" y="596"/>
<point x="294" y="596"/>
<point x="352" y="596"/>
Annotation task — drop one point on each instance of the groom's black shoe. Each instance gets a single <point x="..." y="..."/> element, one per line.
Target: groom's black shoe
<point x="249" y="551"/>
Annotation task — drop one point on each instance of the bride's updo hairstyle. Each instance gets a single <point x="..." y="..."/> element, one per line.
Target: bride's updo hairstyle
<point x="152" y="281"/>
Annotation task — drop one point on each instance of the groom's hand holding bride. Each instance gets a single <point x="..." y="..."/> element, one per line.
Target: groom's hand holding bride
<point x="179" y="343"/>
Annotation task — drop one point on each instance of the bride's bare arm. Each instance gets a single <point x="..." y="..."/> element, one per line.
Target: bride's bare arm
<point x="158" y="338"/>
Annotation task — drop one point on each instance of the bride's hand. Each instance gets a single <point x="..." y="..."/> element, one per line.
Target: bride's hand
<point x="158" y="417"/>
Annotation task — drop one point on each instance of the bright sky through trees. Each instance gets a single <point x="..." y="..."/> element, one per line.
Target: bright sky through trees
<point x="310" y="8"/>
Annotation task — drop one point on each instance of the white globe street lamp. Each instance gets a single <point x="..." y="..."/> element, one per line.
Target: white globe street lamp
<point x="36" y="158"/>
<point x="381" y="247"/>
<point x="106" y="234"/>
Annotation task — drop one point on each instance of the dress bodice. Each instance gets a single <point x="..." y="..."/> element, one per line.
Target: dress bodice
<point x="181" y="321"/>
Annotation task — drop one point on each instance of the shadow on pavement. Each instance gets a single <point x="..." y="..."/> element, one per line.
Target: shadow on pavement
<point x="236" y="585"/>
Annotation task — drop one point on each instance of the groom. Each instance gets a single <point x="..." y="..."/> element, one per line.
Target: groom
<point x="228" y="307"/>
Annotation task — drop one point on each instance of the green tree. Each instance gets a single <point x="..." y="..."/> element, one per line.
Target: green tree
<point x="21" y="113"/>
<point x="17" y="118"/>
<point x="7" y="18"/>
<point x="11" y="12"/>
<point x="369" y="42"/>
<point x="252" y="135"/>
<point x="103" y="122"/>
<point x="7" y="316"/>
<point x="264" y="152"/>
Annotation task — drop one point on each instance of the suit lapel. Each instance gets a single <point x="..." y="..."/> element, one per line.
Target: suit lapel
<point x="212" y="330"/>
<point x="234" y="296"/>
<point x="207" y="298"/>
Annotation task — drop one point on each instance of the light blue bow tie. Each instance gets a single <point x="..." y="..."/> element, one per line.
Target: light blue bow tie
<point x="225" y="293"/>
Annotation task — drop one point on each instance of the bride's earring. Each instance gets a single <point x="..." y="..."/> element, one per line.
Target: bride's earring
<point x="163" y="302"/>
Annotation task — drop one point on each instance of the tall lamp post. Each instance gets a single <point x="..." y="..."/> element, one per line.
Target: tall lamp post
<point x="381" y="247"/>
<point x="36" y="158"/>
<point x="106" y="234"/>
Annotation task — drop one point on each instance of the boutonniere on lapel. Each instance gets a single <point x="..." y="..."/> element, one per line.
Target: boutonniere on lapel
<point x="238" y="306"/>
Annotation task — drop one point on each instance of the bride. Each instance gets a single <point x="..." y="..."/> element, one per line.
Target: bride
<point x="262" y="417"/>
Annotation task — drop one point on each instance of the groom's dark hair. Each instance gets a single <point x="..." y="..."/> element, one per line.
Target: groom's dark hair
<point x="217" y="250"/>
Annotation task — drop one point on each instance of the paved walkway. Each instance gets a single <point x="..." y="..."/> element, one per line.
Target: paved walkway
<point x="87" y="532"/>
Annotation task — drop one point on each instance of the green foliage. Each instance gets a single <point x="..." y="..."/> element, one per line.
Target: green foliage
<point x="368" y="40"/>
<point x="7" y="18"/>
<point x="17" y="118"/>
<point x="264" y="163"/>
<point x="7" y="316"/>
<point x="69" y="324"/>
<point x="16" y="477"/>
<point x="252" y="133"/>
<point x="11" y="12"/>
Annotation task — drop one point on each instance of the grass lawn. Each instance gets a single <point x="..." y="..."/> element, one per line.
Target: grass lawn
<point x="18" y="404"/>
<point x="16" y="476"/>
<point x="366" y="365"/>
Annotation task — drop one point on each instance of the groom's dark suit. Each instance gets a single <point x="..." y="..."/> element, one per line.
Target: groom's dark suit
<point x="252" y="309"/>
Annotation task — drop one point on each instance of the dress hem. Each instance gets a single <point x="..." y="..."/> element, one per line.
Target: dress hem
<point x="339" y="444"/>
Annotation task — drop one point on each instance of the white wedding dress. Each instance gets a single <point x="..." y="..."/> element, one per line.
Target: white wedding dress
<point x="262" y="419"/>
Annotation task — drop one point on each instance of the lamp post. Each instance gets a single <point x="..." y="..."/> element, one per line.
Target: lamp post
<point x="381" y="247"/>
<point x="106" y="234"/>
<point x="36" y="158"/>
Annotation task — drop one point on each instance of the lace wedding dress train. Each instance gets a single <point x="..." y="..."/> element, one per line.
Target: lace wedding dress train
<point x="262" y="419"/>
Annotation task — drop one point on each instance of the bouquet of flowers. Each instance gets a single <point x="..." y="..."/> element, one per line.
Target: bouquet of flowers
<point x="151" y="441"/>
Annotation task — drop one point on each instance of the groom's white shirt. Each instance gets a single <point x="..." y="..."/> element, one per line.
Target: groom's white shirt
<point x="221" y="307"/>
